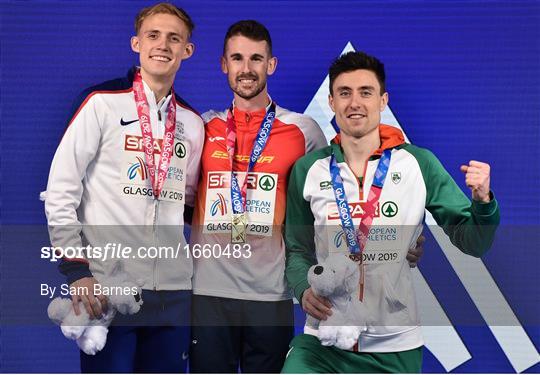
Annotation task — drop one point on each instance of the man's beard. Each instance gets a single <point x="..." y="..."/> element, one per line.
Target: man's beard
<point x="250" y="93"/>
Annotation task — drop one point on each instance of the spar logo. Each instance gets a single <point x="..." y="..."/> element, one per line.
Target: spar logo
<point x="180" y="150"/>
<point x="138" y="168"/>
<point x="219" y="206"/>
<point x="136" y="143"/>
<point x="390" y="209"/>
<point x="222" y="180"/>
<point x="355" y="208"/>
<point x="267" y="182"/>
<point x="218" y="180"/>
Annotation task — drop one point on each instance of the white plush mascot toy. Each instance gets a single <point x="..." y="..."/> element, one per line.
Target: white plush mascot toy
<point x="91" y="335"/>
<point x="337" y="278"/>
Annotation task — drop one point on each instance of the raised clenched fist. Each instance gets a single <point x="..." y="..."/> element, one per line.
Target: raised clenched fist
<point x="477" y="179"/>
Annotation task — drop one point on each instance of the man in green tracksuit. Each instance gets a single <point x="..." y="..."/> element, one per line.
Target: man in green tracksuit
<point x="366" y="195"/>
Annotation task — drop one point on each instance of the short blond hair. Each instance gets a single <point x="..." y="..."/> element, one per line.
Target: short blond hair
<point x="164" y="8"/>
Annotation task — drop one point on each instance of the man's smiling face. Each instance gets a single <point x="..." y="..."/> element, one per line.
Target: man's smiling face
<point x="247" y="64"/>
<point x="162" y="43"/>
<point x="357" y="101"/>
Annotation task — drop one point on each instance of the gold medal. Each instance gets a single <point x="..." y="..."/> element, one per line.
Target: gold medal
<point x="239" y="224"/>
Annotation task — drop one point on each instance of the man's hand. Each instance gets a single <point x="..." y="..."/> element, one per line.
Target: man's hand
<point x="477" y="179"/>
<point x="316" y="306"/>
<point x="414" y="255"/>
<point x="95" y="305"/>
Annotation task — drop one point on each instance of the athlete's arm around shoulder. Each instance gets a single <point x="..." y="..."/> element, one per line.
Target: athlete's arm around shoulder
<point x="471" y="225"/>
<point x="299" y="228"/>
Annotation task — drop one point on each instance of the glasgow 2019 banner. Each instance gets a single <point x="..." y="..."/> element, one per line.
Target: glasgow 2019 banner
<point x="463" y="79"/>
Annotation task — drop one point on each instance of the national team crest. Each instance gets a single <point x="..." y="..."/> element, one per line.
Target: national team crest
<point x="396" y="177"/>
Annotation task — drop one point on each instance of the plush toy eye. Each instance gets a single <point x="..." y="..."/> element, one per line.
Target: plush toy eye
<point x="333" y="271"/>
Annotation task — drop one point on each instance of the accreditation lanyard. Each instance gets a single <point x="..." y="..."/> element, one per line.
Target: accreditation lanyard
<point x="356" y="240"/>
<point x="143" y="112"/>
<point x="238" y="194"/>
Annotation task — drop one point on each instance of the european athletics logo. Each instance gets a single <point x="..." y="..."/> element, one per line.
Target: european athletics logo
<point x="219" y="204"/>
<point x="138" y="168"/>
<point x="338" y="239"/>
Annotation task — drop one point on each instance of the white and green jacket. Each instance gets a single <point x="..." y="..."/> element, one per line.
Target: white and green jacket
<point x="416" y="181"/>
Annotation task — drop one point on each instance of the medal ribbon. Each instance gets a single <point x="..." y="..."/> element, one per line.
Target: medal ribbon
<point x="356" y="241"/>
<point x="143" y="111"/>
<point x="238" y="194"/>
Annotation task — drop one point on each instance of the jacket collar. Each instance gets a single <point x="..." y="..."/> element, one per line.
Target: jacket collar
<point x="390" y="136"/>
<point x="150" y="97"/>
<point x="250" y="120"/>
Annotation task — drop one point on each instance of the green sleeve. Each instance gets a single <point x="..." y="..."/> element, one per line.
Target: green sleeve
<point x="299" y="233"/>
<point x="470" y="225"/>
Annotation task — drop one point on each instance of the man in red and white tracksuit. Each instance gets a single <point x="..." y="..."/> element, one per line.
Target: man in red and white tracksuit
<point x="242" y="308"/>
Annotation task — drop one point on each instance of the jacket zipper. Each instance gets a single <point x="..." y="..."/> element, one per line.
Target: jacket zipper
<point x="244" y="140"/>
<point x="154" y="224"/>
<point x="357" y="179"/>
<point x="154" y="227"/>
<point x="361" y="184"/>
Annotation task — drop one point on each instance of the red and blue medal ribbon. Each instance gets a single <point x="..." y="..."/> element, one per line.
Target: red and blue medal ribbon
<point x="238" y="194"/>
<point x="157" y="178"/>
<point x="356" y="240"/>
